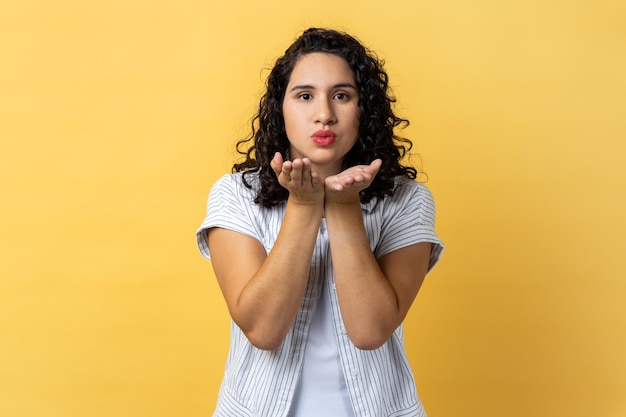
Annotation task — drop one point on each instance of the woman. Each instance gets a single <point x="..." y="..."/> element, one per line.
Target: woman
<point x="320" y="241"/>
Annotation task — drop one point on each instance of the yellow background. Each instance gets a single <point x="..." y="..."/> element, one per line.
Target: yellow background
<point x="117" y="116"/>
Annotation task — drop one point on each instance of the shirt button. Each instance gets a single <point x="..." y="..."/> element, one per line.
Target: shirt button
<point x="354" y="373"/>
<point x="343" y="330"/>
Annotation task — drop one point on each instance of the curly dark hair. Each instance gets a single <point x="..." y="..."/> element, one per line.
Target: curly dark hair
<point x="377" y="120"/>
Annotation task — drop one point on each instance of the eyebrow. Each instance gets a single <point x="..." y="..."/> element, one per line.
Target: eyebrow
<point x="311" y="87"/>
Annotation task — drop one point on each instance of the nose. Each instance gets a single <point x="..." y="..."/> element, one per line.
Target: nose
<point x="324" y="112"/>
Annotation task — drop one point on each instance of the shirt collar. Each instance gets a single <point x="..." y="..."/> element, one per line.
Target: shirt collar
<point x="369" y="206"/>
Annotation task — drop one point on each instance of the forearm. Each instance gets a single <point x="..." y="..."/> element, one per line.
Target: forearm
<point x="368" y="302"/>
<point x="269" y="302"/>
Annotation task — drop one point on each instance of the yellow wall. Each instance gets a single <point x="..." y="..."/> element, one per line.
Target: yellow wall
<point x="117" y="116"/>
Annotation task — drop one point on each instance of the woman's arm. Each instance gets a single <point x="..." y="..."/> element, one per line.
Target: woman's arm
<point x="374" y="295"/>
<point x="264" y="292"/>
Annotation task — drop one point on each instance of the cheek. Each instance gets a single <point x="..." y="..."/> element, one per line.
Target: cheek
<point x="354" y="114"/>
<point x="287" y="120"/>
<point x="290" y="117"/>
<point x="356" y="121"/>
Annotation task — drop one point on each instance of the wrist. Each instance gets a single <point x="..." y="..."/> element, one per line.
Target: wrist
<point x="343" y="206"/>
<point x="305" y="205"/>
<point x="342" y="199"/>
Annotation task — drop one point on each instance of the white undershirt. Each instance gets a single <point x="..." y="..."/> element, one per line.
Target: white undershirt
<point x="322" y="388"/>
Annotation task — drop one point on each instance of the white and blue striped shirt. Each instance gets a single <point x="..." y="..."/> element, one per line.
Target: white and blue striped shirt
<point x="262" y="383"/>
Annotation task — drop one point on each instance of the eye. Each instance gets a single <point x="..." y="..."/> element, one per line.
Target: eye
<point x="341" y="96"/>
<point x="305" y="96"/>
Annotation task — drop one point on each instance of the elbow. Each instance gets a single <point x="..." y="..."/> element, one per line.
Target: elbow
<point x="368" y="345"/>
<point x="264" y="340"/>
<point x="368" y="340"/>
<point x="264" y="344"/>
<point x="261" y="334"/>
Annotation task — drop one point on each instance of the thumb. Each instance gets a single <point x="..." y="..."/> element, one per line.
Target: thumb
<point x="374" y="167"/>
<point x="277" y="163"/>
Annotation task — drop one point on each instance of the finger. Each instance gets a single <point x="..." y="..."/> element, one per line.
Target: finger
<point x="286" y="169"/>
<point x="277" y="163"/>
<point x="359" y="178"/>
<point x="296" y="171"/>
<point x="315" y="178"/>
<point x="306" y="170"/>
<point x="337" y="186"/>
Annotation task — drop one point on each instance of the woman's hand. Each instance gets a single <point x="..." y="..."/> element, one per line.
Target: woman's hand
<point x="345" y="186"/>
<point x="303" y="184"/>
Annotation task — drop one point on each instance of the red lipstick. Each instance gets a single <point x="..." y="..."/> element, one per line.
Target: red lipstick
<point x="324" y="137"/>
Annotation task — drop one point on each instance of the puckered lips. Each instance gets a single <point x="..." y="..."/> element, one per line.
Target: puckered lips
<point x="324" y="137"/>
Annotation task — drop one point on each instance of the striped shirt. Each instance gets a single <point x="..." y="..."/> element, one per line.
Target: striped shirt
<point x="261" y="383"/>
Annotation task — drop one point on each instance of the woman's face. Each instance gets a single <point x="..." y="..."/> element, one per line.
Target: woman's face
<point x="321" y="111"/>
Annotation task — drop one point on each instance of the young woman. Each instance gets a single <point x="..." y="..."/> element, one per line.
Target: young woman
<point x="320" y="241"/>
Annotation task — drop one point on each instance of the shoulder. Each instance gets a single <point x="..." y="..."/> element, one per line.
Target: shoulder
<point x="408" y="190"/>
<point x="236" y="193"/>
<point x="232" y="180"/>
<point x="234" y="185"/>
<point x="409" y="198"/>
<point x="404" y="218"/>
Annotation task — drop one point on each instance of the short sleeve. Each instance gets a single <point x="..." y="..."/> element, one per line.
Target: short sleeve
<point x="409" y="218"/>
<point x="228" y="206"/>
